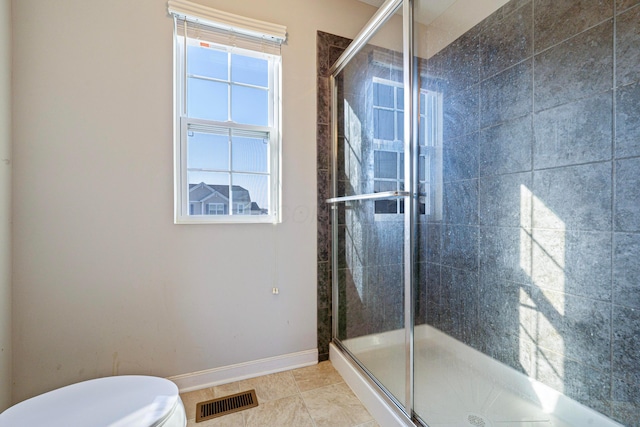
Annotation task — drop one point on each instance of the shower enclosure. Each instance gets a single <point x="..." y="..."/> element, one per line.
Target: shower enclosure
<point x="485" y="210"/>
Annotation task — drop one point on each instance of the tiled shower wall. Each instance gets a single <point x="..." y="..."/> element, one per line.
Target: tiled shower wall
<point x="536" y="261"/>
<point x="329" y="48"/>
<point x="370" y="249"/>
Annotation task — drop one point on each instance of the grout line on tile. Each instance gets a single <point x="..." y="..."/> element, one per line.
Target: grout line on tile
<point x="306" y="408"/>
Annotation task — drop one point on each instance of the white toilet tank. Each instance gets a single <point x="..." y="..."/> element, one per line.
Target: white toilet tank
<point x="120" y="401"/>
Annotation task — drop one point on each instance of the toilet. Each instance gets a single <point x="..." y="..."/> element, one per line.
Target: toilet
<point x="129" y="400"/>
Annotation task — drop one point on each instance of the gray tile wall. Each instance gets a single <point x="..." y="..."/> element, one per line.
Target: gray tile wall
<point x="329" y="48"/>
<point x="537" y="259"/>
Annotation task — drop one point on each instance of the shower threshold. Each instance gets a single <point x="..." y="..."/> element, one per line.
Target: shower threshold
<point x="458" y="386"/>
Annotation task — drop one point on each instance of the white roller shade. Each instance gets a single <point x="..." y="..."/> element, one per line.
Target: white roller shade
<point x="200" y="22"/>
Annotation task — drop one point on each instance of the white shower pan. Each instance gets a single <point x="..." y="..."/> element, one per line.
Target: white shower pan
<point x="458" y="386"/>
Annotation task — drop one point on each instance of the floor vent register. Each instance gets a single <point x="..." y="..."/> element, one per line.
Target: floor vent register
<point x="226" y="405"/>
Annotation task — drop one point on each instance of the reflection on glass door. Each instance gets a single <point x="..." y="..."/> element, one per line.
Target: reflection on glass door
<point x="369" y="218"/>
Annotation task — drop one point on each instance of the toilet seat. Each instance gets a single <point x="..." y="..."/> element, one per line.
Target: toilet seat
<point x="112" y="401"/>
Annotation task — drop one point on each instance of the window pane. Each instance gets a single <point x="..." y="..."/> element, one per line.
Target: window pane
<point x="382" y="95"/>
<point x="386" y="206"/>
<point x="400" y="135"/>
<point x="209" y="178"/>
<point x="421" y="168"/>
<point x="216" y="209"/>
<point x="250" y="154"/>
<point x="383" y="126"/>
<point x="205" y="189"/>
<point x="400" y="101"/>
<point x="423" y="199"/>
<point x="207" y="100"/>
<point x="249" y="105"/>
<point x="253" y="71"/>
<point x="382" y="186"/>
<point x="421" y="131"/>
<point x="385" y="165"/>
<point x="252" y="191"/>
<point x="207" y="62"/>
<point x="207" y="151"/>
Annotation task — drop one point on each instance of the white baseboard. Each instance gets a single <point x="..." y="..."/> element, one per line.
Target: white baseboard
<point x="243" y="371"/>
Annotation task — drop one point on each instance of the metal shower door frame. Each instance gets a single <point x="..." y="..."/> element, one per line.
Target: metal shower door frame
<point x="410" y="195"/>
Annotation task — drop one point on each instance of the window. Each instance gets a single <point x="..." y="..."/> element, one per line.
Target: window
<point x="227" y="106"/>
<point x="430" y="154"/>
<point x="388" y="110"/>
<point x="216" y="209"/>
<point x="388" y="134"/>
<point x="388" y="175"/>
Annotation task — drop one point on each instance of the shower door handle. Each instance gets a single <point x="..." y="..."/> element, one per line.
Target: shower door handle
<point x="370" y="196"/>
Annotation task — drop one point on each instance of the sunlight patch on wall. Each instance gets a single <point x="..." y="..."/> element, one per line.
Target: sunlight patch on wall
<point x="526" y="338"/>
<point x="354" y="238"/>
<point x="353" y="143"/>
<point x="543" y="258"/>
<point x="525" y="229"/>
<point x="548" y="262"/>
<point x="353" y="246"/>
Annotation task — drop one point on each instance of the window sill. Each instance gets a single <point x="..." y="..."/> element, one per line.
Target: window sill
<point x="226" y="219"/>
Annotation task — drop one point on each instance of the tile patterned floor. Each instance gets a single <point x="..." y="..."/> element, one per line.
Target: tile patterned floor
<point x="315" y="396"/>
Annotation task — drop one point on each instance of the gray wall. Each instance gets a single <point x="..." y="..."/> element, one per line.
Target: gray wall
<point x="537" y="259"/>
<point x="5" y="204"/>
<point x="119" y="288"/>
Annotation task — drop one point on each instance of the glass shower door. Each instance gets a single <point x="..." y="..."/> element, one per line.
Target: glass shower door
<point x="513" y="322"/>
<point x="369" y="204"/>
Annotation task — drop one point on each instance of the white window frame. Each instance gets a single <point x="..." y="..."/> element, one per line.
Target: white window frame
<point x="253" y="30"/>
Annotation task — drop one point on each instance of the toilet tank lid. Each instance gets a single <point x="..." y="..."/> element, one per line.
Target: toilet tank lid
<point x="128" y="400"/>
